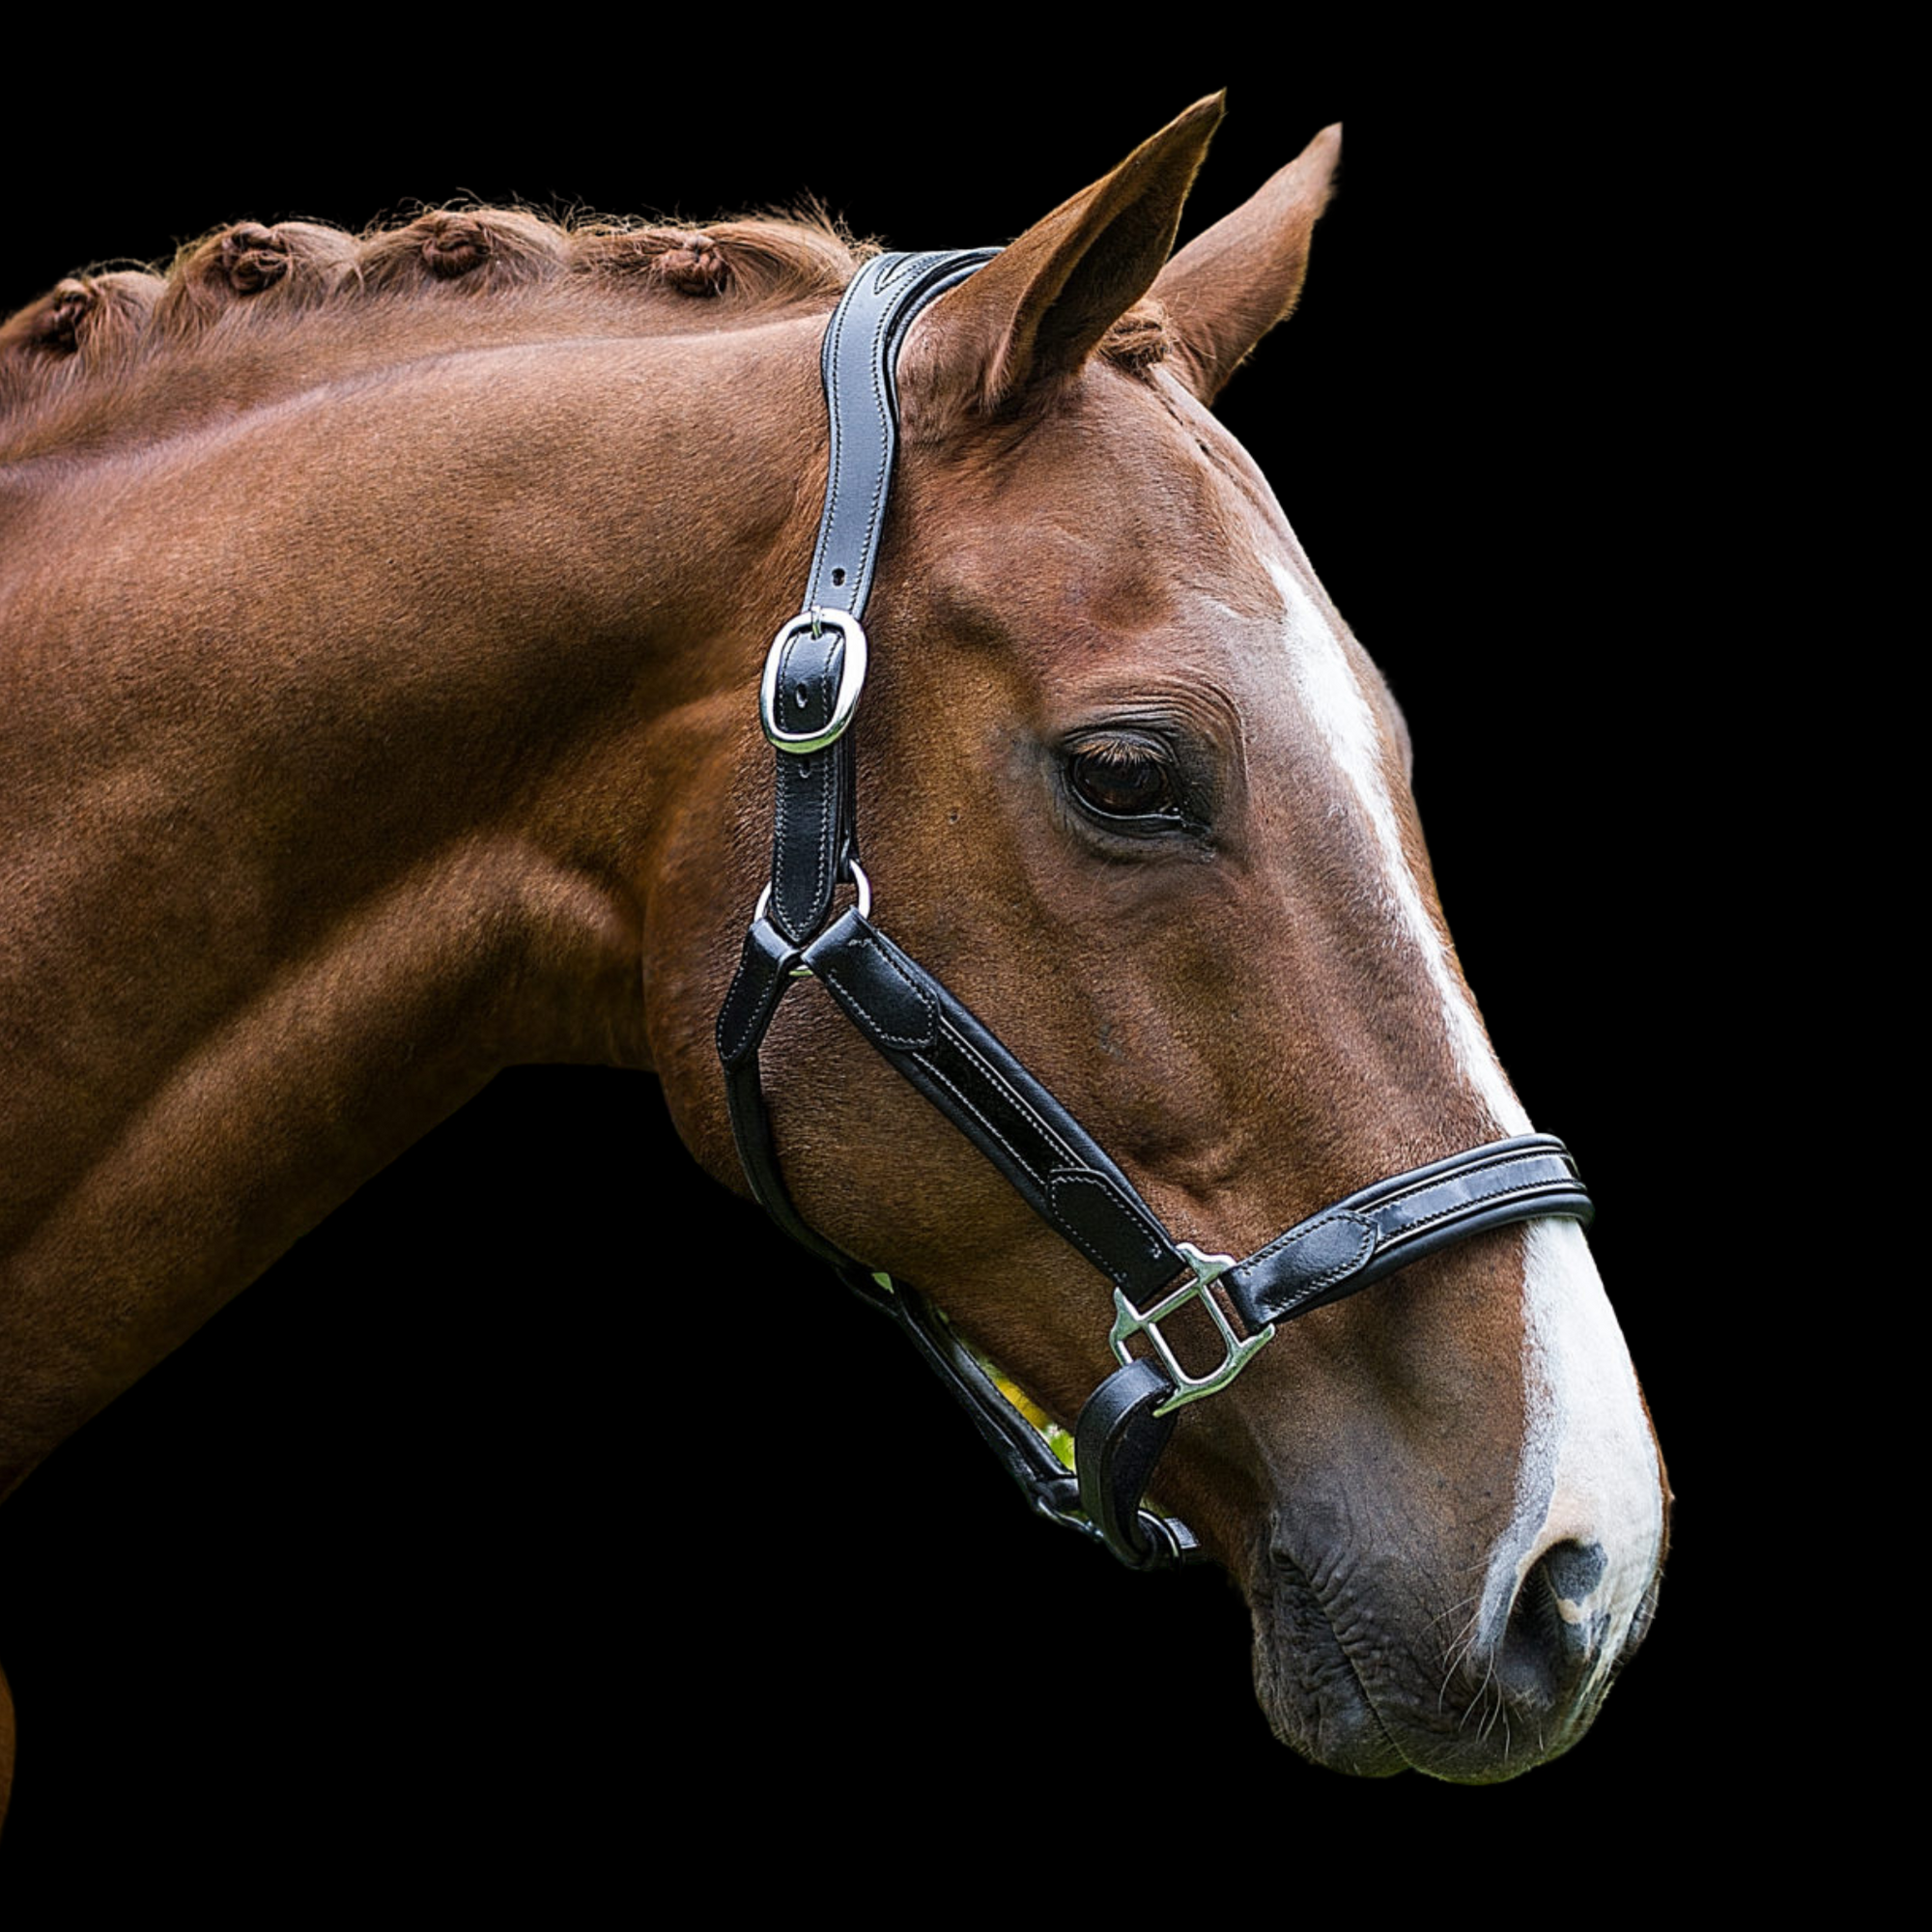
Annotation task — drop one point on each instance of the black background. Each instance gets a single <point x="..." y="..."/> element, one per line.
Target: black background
<point x="513" y="1490"/>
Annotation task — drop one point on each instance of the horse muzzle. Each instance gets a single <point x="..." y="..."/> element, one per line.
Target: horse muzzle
<point x="1373" y="1682"/>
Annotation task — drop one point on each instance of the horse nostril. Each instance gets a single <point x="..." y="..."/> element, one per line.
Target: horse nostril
<point x="1557" y="1627"/>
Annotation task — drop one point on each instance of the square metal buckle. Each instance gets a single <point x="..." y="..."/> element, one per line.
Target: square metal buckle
<point x="1130" y="1321"/>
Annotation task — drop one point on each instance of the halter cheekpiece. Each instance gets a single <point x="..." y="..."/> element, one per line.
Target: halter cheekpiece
<point x="814" y="679"/>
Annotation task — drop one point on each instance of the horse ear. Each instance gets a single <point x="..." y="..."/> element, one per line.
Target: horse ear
<point x="1038" y="310"/>
<point x="1229" y="287"/>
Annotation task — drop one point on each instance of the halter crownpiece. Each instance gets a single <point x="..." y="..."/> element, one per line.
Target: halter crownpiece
<point x="813" y="678"/>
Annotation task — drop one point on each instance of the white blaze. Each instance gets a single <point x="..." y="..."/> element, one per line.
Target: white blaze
<point x="1336" y="704"/>
<point x="1589" y="1468"/>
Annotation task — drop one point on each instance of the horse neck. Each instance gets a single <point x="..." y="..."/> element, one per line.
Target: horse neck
<point x="343" y="737"/>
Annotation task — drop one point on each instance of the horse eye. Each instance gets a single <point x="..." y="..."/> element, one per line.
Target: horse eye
<point x="1123" y="777"/>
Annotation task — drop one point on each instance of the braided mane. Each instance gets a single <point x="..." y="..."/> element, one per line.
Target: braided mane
<point x="250" y="312"/>
<point x="247" y="310"/>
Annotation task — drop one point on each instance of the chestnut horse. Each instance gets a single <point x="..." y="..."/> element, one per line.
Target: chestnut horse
<point x="382" y="621"/>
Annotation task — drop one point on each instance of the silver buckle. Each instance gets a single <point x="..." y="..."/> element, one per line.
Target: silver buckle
<point x="851" y="680"/>
<point x="1131" y="1321"/>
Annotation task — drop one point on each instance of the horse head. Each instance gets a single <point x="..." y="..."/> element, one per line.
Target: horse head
<point x="1134" y="792"/>
<point x="382" y="621"/>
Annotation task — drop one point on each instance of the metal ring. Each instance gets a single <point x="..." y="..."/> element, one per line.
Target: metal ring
<point x="854" y="872"/>
<point x="851" y="680"/>
<point x="1129" y="1320"/>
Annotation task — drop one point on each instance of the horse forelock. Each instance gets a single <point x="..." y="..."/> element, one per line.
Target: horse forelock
<point x="72" y="363"/>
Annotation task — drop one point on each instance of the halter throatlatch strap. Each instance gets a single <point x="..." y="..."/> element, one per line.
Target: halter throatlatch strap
<point x="814" y="674"/>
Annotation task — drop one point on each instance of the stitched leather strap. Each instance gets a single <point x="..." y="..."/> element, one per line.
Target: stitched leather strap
<point x="1116" y="1445"/>
<point x="814" y="836"/>
<point x="764" y="974"/>
<point x="815" y="832"/>
<point x="858" y="364"/>
<point x="1359" y="1241"/>
<point x="1058" y="1168"/>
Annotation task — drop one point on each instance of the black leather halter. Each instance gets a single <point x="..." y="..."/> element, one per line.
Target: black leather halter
<point x="812" y="679"/>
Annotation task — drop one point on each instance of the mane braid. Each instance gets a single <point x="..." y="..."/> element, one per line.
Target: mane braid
<point x="83" y="360"/>
<point x="100" y="356"/>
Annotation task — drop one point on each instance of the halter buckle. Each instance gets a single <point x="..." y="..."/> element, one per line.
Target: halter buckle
<point x="814" y="623"/>
<point x="1129" y="1320"/>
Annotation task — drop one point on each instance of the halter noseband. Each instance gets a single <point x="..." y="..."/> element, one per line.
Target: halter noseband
<point x="812" y="679"/>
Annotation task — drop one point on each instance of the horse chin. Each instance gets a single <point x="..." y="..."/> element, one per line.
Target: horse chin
<point x="1309" y="1691"/>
